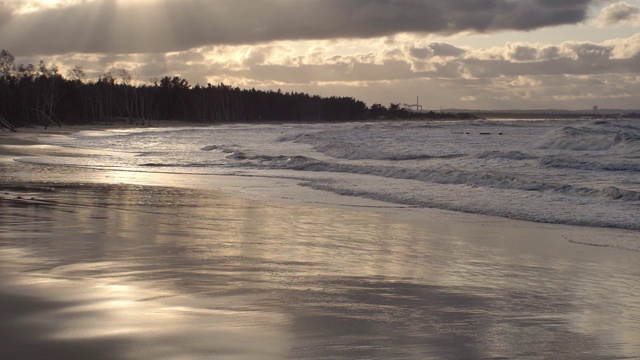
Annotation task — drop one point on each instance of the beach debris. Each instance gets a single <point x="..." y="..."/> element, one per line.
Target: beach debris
<point x="5" y="124"/>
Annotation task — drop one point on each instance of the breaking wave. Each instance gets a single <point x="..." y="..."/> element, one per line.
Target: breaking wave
<point x="510" y="155"/>
<point x="446" y="175"/>
<point x="565" y="162"/>
<point x="595" y="136"/>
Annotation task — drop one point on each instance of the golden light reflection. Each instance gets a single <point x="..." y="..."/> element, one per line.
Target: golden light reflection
<point x="187" y="269"/>
<point x="104" y="308"/>
<point x="138" y="178"/>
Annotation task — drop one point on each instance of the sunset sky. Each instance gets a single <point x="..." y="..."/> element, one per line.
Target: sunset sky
<point x="476" y="54"/>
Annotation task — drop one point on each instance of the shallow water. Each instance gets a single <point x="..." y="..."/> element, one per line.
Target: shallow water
<point x="134" y="272"/>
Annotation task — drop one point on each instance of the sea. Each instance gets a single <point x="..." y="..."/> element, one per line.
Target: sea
<point x="581" y="172"/>
<point x="474" y="239"/>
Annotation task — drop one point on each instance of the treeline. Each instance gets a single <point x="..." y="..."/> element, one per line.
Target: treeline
<point x="39" y="95"/>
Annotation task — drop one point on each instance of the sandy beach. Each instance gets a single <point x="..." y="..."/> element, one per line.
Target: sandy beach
<point x="109" y="264"/>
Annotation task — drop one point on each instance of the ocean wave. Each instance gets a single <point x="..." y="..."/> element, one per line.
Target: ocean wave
<point x="170" y="165"/>
<point x="564" y="162"/>
<point x="594" y="136"/>
<point x="510" y="155"/>
<point x="228" y="149"/>
<point x="296" y="162"/>
<point x="294" y="137"/>
<point x="177" y="166"/>
<point x="150" y="153"/>
<point x="472" y="207"/>
<point x="406" y="157"/>
<point x="618" y="193"/>
<point x="162" y="165"/>
<point x="375" y="146"/>
<point x="445" y="176"/>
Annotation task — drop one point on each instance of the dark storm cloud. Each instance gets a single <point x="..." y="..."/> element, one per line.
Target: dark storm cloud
<point x="175" y="25"/>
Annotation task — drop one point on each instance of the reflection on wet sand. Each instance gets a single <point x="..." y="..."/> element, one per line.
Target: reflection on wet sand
<point x="120" y="271"/>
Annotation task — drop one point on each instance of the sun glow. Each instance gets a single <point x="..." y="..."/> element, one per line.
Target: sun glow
<point x="30" y="6"/>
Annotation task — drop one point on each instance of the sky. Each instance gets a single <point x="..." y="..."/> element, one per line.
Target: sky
<point x="472" y="54"/>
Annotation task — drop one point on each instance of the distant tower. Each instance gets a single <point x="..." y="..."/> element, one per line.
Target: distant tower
<point x="417" y="105"/>
<point x="595" y="110"/>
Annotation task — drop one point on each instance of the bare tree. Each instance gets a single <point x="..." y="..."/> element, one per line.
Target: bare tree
<point x="49" y="94"/>
<point x="6" y="63"/>
<point x="78" y="76"/>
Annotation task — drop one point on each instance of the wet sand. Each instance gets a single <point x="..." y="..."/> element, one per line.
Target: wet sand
<point x="96" y="264"/>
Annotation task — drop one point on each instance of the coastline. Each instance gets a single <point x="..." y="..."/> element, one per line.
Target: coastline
<point x="28" y="143"/>
<point x="128" y="265"/>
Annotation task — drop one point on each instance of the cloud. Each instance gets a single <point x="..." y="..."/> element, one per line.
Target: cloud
<point x="177" y="25"/>
<point x="375" y="60"/>
<point x="516" y="74"/>
<point x="618" y="14"/>
<point x="625" y="48"/>
<point x="434" y="49"/>
<point x="521" y="52"/>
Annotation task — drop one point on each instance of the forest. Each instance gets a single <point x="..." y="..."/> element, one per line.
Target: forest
<point x="38" y="95"/>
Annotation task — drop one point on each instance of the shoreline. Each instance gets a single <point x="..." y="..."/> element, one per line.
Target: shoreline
<point x="282" y="191"/>
<point x="133" y="265"/>
<point x="253" y="188"/>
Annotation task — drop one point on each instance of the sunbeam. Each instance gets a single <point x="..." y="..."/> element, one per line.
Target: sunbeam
<point x="30" y="6"/>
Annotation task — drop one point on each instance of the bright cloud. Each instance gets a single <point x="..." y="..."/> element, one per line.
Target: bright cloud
<point x="516" y="71"/>
<point x="618" y="14"/>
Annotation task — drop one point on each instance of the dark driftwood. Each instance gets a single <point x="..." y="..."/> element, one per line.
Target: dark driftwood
<point x="6" y="124"/>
